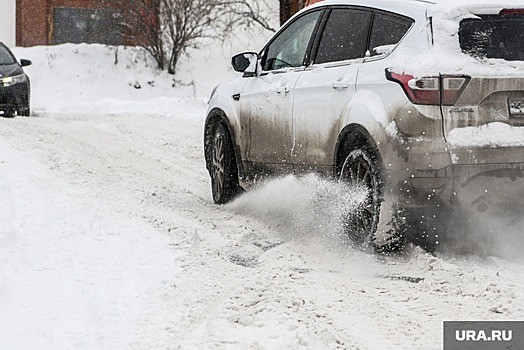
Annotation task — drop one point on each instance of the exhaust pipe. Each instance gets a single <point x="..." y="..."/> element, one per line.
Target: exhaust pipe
<point x="482" y="207"/>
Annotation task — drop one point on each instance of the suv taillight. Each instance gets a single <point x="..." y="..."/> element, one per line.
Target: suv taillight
<point x="444" y="89"/>
<point x="511" y="12"/>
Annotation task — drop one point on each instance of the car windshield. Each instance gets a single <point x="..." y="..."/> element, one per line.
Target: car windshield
<point x="494" y="36"/>
<point x="5" y="56"/>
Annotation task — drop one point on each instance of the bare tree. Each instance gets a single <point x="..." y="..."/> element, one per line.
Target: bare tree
<point x="142" y="24"/>
<point x="248" y="12"/>
<point x="168" y="28"/>
<point x="189" y="21"/>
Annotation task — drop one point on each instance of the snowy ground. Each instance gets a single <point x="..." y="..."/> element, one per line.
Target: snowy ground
<point x="109" y="238"/>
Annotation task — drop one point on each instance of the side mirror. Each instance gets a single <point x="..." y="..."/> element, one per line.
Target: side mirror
<point x="25" y="63"/>
<point x="245" y="62"/>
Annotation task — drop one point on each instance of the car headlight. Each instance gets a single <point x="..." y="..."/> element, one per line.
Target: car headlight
<point x="8" y="81"/>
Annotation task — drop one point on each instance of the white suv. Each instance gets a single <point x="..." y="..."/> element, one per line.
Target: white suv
<point x="420" y="101"/>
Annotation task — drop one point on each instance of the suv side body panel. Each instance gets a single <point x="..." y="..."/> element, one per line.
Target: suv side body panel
<point x="423" y="147"/>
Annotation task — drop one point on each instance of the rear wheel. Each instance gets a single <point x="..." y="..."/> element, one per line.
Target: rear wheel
<point x="361" y="168"/>
<point x="224" y="173"/>
<point x="24" y="112"/>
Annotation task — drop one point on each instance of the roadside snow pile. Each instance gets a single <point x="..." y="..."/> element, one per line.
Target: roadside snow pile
<point x="105" y="79"/>
<point x="72" y="74"/>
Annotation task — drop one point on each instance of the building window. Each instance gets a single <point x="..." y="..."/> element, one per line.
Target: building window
<point x="78" y="25"/>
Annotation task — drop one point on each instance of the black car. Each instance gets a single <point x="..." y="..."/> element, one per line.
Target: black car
<point x="14" y="84"/>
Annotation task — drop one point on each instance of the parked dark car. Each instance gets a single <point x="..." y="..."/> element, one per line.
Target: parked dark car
<point x="14" y="85"/>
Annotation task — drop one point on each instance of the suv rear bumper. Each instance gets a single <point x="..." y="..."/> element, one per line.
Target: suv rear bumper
<point x="497" y="188"/>
<point x="482" y="188"/>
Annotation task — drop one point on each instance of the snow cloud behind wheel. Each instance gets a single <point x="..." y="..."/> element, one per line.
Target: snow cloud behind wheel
<point x="303" y="207"/>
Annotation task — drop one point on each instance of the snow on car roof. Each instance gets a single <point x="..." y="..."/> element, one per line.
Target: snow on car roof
<point x="443" y="54"/>
<point x="391" y="5"/>
<point x="454" y="8"/>
<point x="433" y="6"/>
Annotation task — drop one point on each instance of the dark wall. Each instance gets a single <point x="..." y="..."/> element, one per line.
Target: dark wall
<point x="45" y="22"/>
<point x="81" y="25"/>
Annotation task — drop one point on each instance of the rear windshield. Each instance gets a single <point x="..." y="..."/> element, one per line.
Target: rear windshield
<point x="493" y="36"/>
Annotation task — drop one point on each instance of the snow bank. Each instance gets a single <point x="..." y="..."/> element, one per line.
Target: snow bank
<point x="77" y="77"/>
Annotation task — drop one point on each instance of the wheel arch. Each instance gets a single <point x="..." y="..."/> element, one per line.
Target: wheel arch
<point x="351" y="137"/>
<point x="218" y="116"/>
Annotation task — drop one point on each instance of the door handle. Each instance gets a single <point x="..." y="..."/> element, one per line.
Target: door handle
<point x="283" y="88"/>
<point x="340" y="83"/>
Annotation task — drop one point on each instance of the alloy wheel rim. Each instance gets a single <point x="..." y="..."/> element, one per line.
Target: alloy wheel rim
<point x="359" y="173"/>
<point x="218" y="165"/>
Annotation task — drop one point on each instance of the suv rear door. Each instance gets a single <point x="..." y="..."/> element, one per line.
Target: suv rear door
<point x="323" y="91"/>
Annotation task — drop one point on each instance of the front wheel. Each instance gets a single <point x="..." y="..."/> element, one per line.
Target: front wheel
<point x="362" y="168"/>
<point x="9" y="114"/>
<point x="224" y="173"/>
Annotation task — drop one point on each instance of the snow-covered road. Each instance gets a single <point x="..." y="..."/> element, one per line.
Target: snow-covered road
<point x="109" y="240"/>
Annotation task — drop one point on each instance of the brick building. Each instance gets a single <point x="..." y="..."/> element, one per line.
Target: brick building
<point x="46" y="22"/>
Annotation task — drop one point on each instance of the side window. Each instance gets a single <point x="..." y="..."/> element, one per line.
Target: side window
<point x="345" y="36"/>
<point x="290" y="46"/>
<point x="386" y="32"/>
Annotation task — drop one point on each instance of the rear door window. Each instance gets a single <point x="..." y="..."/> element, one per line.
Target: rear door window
<point x="493" y="36"/>
<point x="387" y="31"/>
<point x="344" y="36"/>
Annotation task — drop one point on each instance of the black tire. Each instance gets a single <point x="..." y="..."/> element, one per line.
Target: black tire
<point x="25" y="112"/>
<point x="223" y="171"/>
<point x="362" y="168"/>
<point x="9" y="114"/>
